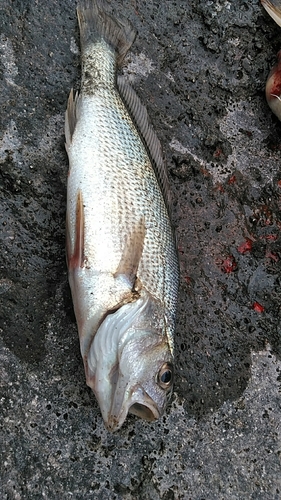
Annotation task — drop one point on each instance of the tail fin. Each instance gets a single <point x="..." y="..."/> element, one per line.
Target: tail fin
<point x="96" y="22"/>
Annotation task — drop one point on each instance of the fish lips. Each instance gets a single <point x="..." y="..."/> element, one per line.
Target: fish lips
<point x="137" y="402"/>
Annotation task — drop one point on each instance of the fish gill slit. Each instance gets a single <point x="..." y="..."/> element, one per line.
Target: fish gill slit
<point x="131" y="297"/>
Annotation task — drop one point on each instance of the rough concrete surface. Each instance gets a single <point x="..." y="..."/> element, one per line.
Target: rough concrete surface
<point x="200" y="66"/>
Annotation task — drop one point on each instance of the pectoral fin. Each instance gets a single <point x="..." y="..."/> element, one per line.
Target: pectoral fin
<point x="77" y="258"/>
<point x="132" y="254"/>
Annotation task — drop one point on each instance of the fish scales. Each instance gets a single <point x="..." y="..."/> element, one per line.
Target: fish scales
<point x="123" y="267"/>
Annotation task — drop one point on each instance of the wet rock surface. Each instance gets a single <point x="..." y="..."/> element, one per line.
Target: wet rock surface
<point x="201" y="70"/>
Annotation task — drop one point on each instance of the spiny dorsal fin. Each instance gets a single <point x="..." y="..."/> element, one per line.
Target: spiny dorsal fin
<point x="96" y="22"/>
<point x="140" y="117"/>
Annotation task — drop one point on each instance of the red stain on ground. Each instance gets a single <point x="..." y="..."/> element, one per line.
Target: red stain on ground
<point x="245" y="247"/>
<point x="232" y="179"/>
<point x="271" y="237"/>
<point x="218" y="153"/>
<point x="273" y="256"/>
<point x="229" y="264"/>
<point x="258" y="307"/>
<point x="220" y="188"/>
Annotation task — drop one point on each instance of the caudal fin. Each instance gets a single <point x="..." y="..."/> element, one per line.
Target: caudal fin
<point x="96" y="22"/>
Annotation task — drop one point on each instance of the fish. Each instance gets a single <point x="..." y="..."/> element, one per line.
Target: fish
<point x="273" y="83"/>
<point x="121" y="251"/>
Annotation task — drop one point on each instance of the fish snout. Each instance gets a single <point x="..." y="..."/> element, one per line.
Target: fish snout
<point x="135" y="401"/>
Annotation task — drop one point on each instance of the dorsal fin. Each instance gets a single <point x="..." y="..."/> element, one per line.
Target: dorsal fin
<point x="140" y="117"/>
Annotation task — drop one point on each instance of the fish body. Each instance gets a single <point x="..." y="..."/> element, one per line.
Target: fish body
<point x="122" y="261"/>
<point x="273" y="84"/>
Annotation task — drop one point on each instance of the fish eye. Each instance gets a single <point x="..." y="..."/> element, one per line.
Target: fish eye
<point x="165" y="376"/>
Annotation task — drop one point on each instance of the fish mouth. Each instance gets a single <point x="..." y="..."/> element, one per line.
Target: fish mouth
<point x="144" y="412"/>
<point x="138" y="403"/>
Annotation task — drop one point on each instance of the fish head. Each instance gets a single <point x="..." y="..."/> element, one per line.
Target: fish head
<point x="143" y="380"/>
<point x="130" y="368"/>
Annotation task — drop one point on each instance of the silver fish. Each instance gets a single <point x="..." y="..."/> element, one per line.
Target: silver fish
<point x="122" y="261"/>
<point x="273" y="84"/>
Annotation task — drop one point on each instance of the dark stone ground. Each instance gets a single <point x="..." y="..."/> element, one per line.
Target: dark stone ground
<point x="201" y="67"/>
